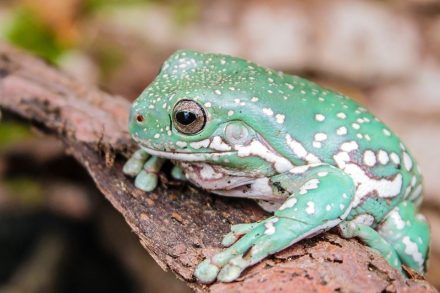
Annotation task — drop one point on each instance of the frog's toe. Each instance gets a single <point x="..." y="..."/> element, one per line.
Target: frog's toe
<point x="229" y="273"/>
<point x="146" y="181"/>
<point x="132" y="167"/>
<point x="236" y="232"/>
<point x="230" y="239"/>
<point x="206" y="272"/>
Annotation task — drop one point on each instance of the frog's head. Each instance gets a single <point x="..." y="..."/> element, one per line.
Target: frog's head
<point x="201" y="108"/>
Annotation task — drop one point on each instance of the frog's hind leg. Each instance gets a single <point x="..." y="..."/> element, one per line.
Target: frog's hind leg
<point x="371" y="238"/>
<point x="408" y="233"/>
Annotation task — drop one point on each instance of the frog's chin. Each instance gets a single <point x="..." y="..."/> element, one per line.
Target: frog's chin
<point x="181" y="156"/>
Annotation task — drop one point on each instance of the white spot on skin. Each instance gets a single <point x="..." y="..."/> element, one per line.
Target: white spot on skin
<point x="254" y="99"/>
<point x="181" y="144"/>
<point x="309" y="185"/>
<point x="397" y="219"/>
<point x="256" y="148"/>
<point x="369" y="158"/>
<point x="300" y="151"/>
<point x="208" y="104"/>
<point x="317" y="144"/>
<point x="218" y="144"/>
<point x="407" y="162"/>
<point x="328" y="207"/>
<point x="386" y="132"/>
<point x="349" y="146"/>
<point x="289" y="203"/>
<point x="230" y="113"/>
<point x="383" y="157"/>
<point x="319" y="117"/>
<point x="270" y="228"/>
<point x="268" y="111"/>
<point x="320" y="136"/>
<point x="364" y="219"/>
<point x="395" y="158"/>
<point x="310" y="208"/>
<point x="342" y="207"/>
<point x="341" y="130"/>
<point x="297" y="147"/>
<point x="341" y="159"/>
<point x="322" y="174"/>
<point x="200" y="144"/>
<point x="299" y="169"/>
<point x="157" y="135"/>
<point x="412" y="250"/>
<point x="341" y="115"/>
<point x="365" y="185"/>
<point x="355" y="126"/>
<point x="280" y="118"/>
<point x="217" y="92"/>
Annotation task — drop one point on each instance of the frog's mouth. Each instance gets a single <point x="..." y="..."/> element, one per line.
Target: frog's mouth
<point x="182" y="156"/>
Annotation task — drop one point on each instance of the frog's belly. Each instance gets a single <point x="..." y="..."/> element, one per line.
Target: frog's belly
<point x="220" y="181"/>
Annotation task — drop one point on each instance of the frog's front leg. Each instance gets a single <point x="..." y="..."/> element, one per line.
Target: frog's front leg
<point x="319" y="199"/>
<point x="145" y="168"/>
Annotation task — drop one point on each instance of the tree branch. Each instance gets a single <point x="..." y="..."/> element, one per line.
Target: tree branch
<point x="177" y="224"/>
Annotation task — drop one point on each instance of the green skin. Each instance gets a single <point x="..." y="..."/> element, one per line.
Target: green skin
<point x="313" y="157"/>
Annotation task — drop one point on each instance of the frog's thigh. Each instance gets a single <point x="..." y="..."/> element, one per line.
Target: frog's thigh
<point x="147" y="179"/>
<point x="317" y="206"/>
<point x="408" y="233"/>
<point x="371" y="238"/>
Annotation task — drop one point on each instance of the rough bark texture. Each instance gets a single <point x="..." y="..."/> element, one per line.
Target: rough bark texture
<point x="177" y="224"/>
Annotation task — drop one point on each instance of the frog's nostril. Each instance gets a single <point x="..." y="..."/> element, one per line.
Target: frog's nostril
<point x="139" y="118"/>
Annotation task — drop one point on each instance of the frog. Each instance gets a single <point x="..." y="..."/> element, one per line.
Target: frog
<point x="313" y="158"/>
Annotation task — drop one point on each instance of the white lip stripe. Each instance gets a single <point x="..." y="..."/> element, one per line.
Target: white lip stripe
<point x="199" y="157"/>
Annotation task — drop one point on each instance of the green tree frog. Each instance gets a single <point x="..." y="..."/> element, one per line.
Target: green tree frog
<point x="312" y="157"/>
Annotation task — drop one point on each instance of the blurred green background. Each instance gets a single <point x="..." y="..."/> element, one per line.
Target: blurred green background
<point x="57" y="234"/>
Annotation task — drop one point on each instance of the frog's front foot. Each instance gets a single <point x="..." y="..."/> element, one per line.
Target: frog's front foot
<point x="257" y="242"/>
<point x="145" y="168"/>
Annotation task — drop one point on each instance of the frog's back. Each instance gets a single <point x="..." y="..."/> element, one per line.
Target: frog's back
<point x="305" y="123"/>
<point x="336" y="130"/>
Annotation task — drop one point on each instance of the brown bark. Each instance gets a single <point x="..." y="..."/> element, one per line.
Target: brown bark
<point x="177" y="224"/>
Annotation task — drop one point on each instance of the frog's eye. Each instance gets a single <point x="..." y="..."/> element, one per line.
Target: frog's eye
<point x="189" y="117"/>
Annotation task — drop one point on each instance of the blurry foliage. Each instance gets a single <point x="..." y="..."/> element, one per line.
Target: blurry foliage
<point x="28" y="31"/>
<point x="12" y="132"/>
<point x="184" y="10"/>
<point x="26" y="190"/>
<point x="109" y="58"/>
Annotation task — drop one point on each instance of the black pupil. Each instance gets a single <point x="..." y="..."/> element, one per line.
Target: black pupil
<point x="185" y="117"/>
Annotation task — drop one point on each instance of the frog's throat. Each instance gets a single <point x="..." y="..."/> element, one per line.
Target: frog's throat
<point x="180" y="156"/>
